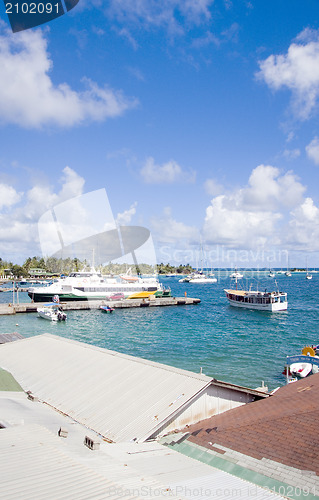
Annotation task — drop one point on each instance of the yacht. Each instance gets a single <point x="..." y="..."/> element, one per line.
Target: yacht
<point x="236" y="274"/>
<point x="90" y="285"/>
<point x="202" y="278"/>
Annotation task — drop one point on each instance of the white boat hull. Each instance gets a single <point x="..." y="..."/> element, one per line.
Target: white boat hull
<point x="300" y="369"/>
<point x="260" y="307"/>
<point x="203" y="280"/>
<point x="50" y="317"/>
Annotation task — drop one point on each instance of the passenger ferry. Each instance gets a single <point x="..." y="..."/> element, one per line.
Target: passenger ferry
<point x="90" y="285"/>
<point x="261" y="301"/>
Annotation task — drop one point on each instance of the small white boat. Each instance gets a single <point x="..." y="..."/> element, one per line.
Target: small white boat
<point x="203" y="279"/>
<point x="236" y="274"/>
<point x="300" y="369"/>
<point x="51" y="311"/>
<point x="302" y="365"/>
<point x="308" y="275"/>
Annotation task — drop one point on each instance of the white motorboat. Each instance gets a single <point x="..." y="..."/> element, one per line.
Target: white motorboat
<point x="300" y="369"/>
<point x="236" y="274"/>
<point x="51" y="311"/>
<point x="254" y="299"/>
<point x="202" y="278"/>
<point x="300" y="366"/>
<point x="90" y="285"/>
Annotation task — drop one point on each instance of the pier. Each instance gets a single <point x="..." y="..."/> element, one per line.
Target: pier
<point x="29" y="307"/>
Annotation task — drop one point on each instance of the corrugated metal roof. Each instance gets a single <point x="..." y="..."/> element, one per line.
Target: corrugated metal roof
<point x="34" y="468"/>
<point x="189" y="478"/>
<point x="119" y="396"/>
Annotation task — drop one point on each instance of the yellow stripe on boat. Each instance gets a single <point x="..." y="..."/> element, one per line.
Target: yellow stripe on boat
<point x="141" y="295"/>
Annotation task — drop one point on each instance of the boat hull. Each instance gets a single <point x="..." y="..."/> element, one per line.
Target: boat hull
<point x="258" y="301"/>
<point x="260" y="307"/>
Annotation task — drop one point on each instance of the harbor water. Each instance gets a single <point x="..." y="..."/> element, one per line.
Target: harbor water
<point x="231" y="344"/>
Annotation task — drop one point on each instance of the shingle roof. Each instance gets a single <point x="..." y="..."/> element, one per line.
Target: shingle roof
<point x="283" y="427"/>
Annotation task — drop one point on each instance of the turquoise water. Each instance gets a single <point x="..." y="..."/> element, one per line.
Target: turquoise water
<point x="235" y="345"/>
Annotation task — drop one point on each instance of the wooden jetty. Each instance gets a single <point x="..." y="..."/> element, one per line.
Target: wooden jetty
<point x="27" y="307"/>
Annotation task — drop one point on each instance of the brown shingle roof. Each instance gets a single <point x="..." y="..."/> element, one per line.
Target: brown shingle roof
<point x="283" y="427"/>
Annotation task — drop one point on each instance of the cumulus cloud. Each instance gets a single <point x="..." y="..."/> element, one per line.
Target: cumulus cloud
<point x="125" y="217"/>
<point x="298" y="71"/>
<point x="168" y="173"/>
<point x="20" y="212"/>
<point x="254" y="215"/>
<point x="167" y="230"/>
<point x="8" y="196"/>
<point x="28" y="96"/>
<point x="304" y="226"/>
<point x="313" y="150"/>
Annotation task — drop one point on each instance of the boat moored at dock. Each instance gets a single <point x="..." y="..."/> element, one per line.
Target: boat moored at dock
<point x="51" y="311"/>
<point x="90" y="285"/>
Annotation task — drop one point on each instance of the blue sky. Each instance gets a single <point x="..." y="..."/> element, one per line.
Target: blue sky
<point x="198" y="117"/>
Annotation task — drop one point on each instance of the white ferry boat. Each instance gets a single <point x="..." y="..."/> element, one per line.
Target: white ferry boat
<point x="261" y="301"/>
<point x="90" y="285"/>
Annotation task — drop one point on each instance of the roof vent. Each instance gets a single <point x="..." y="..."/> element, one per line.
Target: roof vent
<point x="32" y="397"/>
<point x="92" y="443"/>
<point x="63" y="432"/>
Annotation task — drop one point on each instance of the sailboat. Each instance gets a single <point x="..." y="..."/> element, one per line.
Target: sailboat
<point x="236" y="274"/>
<point x="200" y="277"/>
<point x="308" y="275"/>
<point x="288" y="273"/>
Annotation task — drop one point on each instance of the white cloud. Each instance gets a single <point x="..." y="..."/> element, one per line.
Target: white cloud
<point x="298" y="70"/>
<point x="237" y="227"/>
<point x="20" y="212"/>
<point x="291" y="154"/>
<point x="168" y="13"/>
<point x="28" y="96"/>
<point x="125" y="217"/>
<point x="313" y="150"/>
<point x="167" y="230"/>
<point x="8" y="196"/>
<point x="304" y="227"/>
<point x="254" y="215"/>
<point x="212" y="187"/>
<point x="168" y="173"/>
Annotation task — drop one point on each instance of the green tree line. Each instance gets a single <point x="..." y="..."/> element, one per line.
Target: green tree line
<point x="65" y="266"/>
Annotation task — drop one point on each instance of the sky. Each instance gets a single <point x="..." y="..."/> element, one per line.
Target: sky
<point x="199" y="118"/>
